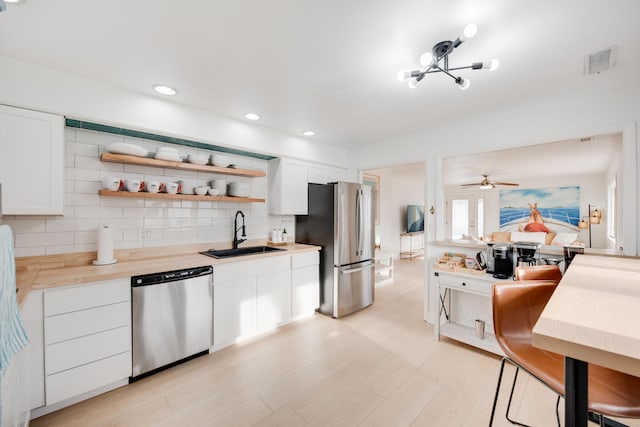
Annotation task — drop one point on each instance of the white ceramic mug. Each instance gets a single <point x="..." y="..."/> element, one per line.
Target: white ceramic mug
<point x="173" y="187"/>
<point x="134" y="185"/>
<point x="155" y="187"/>
<point x="112" y="184"/>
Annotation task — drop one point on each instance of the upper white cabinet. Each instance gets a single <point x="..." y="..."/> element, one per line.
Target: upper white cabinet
<point x="288" y="179"/>
<point x="288" y="187"/>
<point x="322" y="174"/>
<point x="32" y="162"/>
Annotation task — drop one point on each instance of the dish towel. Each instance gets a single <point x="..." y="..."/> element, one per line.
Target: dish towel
<point x="13" y="337"/>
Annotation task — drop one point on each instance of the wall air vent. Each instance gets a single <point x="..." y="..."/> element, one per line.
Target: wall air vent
<point x="586" y="139"/>
<point x="600" y="61"/>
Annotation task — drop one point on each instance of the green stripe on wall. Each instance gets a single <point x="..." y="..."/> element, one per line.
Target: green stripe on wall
<point x="161" y="138"/>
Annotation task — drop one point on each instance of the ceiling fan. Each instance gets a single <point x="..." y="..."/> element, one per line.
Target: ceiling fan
<point x="485" y="184"/>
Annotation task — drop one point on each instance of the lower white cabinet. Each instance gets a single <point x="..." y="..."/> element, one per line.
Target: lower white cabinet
<point x="87" y="337"/>
<point x="305" y="283"/>
<point x="250" y="297"/>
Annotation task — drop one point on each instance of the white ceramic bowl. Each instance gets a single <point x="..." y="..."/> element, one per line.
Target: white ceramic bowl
<point x="214" y="191"/>
<point x="201" y="190"/>
<point x="198" y="159"/>
<point x="125" y="148"/>
<point x="220" y="160"/>
<point x="161" y="155"/>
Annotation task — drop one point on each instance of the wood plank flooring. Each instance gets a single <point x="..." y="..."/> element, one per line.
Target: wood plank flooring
<point x="378" y="367"/>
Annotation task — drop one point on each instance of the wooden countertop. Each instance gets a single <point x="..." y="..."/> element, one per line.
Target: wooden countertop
<point x="46" y="277"/>
<point x="593" y="314"/>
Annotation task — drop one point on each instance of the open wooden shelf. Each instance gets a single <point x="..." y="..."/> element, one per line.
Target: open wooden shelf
<point x="167" y="196"/>
<point x="146" y="161"/>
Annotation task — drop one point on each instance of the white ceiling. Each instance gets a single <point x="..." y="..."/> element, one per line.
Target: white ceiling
<point x="330" y="65"/>
<point x="562" y="158"/>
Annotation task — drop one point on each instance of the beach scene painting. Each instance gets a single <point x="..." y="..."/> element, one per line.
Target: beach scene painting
<point x="558" y="208"/>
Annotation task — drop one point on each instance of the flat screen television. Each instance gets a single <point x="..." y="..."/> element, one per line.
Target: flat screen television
<point x="415" y="218"/>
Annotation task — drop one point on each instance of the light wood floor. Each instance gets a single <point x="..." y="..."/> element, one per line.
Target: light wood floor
<point x="378" y="367"/>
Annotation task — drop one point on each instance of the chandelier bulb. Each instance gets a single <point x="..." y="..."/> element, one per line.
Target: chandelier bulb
<point x="413" y="83"/>
<point x="403" y="75"/>
<point x="494" y="64"/>
<point x="470" y="31"/>
<point x="426" y="59"/>
<point x="463" y="83"/>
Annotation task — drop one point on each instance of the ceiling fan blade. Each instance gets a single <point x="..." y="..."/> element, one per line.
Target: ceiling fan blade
<point x="471" y="185"/>
<point x="506" y="183"/>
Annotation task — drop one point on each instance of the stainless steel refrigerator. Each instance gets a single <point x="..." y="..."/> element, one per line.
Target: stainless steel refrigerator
<point x="341" y="220"/>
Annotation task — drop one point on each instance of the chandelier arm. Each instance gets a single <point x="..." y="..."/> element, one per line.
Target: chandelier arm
<point x="445" y="71"/>
<point x="461" y="68"/>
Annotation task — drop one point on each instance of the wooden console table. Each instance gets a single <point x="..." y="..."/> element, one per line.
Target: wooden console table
<point x="415" y="249"/>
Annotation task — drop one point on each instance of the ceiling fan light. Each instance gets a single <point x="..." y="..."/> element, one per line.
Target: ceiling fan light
<point x="487" y="186"/>
<point x="426" y="59"/>
<point x="470" y="30"/>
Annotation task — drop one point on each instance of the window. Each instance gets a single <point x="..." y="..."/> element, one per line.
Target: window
<point x="459" y="218"/>
<point x="611" y="211"/>
<point x="465" y="216"/>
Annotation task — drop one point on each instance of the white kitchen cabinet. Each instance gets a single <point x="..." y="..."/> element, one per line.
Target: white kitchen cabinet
<point x="87" y="338"/>
<point x="305" y="283"/>
<point x="250" y="297"/>
<point x="32" y="162"/>
<point x="234" y="308"/>
<point x="288" y="193"/>
<point x="273" y="299"/>
<point x="322" y="174"/>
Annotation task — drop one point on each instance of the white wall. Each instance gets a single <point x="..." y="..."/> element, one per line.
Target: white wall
<point x="399" y="186"/>
<point x="30" y="86"/>
<point x="137" y="222"/>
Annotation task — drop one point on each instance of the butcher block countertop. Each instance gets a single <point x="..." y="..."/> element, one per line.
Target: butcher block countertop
<point x="46" y="272"/>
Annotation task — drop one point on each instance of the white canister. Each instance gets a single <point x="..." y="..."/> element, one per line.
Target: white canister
<point x="275" y="236"/>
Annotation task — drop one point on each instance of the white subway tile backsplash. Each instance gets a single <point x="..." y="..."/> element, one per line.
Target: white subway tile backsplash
<point x="80" y="149"/>
<point x="37" y="251"/>
<point x="86" y="187"/>
<point x="56" y="225"/>
<point x="131" y="169"/>
<point x="75" y="199"/>
<point x="84" y="162"/>
<point x="66" y="249"/>
<point x="69" y="134"/>
<point x="117" y="201"/>
<point x="82" y="174"/>
<point x="97" y="138"/>
<point x="84" y="237"/>
<point x="20" y="225"/>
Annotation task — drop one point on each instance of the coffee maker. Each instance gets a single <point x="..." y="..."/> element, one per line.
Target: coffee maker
<point x="502" y="260"/>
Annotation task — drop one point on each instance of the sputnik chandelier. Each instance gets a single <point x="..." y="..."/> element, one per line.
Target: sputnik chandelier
<point x="437" y="61"/>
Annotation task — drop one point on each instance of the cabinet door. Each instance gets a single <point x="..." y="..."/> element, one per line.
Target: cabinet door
<point x="321" y="174"/>
<point x="234" y="309"/>
<point x="305" y="290"/>
<point x="32" y="162"/>
<point x="288" y="190"/>
<point x="273" y="300"/>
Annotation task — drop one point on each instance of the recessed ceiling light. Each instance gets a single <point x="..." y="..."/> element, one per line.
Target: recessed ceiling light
<point x="308" y="133"/>
<point x="164" y="90"/>
<point x="251" y="116"/>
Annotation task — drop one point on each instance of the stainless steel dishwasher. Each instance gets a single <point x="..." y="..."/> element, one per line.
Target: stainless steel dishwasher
<point x="172" y="318"/>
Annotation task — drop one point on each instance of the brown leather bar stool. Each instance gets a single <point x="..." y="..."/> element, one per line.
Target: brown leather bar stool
<point x="539" y="272"/>
<point x="516" y="308"/>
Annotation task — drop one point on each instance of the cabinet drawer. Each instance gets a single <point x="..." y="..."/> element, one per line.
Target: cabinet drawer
<point x="82" y="379"/>
<point x="85" y="322"/>
<point x="247" y="269"/>
<point x="86" y="296"/>
<point x="305" y="259"/>
<point x="80" y="351"/>
<point x="466" y="284"/>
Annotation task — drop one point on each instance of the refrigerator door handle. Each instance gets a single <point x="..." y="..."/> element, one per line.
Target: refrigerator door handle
<point x="355" y="270"/>
<point x="358" y="219"/>
<point x="361" y="223"/>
